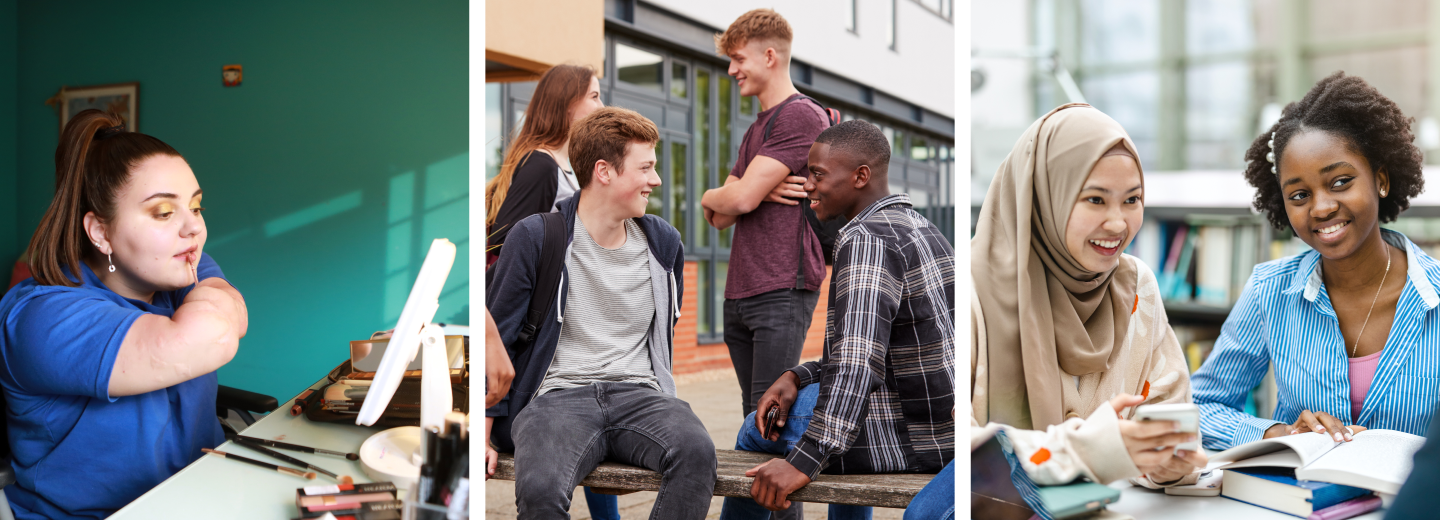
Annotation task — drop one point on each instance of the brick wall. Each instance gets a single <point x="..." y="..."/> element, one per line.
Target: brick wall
<point x="691" y="356"/>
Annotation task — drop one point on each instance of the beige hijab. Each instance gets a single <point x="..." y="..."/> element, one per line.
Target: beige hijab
<point x="1045" y="318"/>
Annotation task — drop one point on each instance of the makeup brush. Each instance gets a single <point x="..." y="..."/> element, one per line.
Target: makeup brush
<point x="297" y="447"/>
<point x="267" y="465"/>
<point x="343" y="480"/>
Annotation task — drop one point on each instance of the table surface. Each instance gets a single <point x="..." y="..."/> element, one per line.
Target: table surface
<point x="226" y="489"/>
<point x="1144" y="504"/>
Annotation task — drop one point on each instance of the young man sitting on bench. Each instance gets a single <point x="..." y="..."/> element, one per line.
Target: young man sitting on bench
<point x="880" y="398"/>
<point x="594" y="384"/>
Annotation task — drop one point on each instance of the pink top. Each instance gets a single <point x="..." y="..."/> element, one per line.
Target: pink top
<point x="1362" y="372"/>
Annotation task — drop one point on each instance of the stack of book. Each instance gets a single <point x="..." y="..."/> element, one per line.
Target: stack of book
<point x="1305" y="473"/>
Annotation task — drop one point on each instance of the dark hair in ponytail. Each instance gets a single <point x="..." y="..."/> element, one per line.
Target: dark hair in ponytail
<point x="92" y="163"/>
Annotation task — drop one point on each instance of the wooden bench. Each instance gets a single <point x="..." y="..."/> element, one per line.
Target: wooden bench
<point x="888" y="490"/>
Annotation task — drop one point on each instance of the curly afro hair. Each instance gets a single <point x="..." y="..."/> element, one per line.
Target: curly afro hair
<point x="1372" y="125"/>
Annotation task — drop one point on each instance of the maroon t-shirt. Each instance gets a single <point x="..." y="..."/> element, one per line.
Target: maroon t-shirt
<point x="765" y="251"/>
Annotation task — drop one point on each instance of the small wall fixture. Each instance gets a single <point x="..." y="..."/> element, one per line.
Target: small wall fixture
<point x="231" y="75"/>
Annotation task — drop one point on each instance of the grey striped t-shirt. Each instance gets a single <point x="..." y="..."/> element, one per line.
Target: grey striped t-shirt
<point x="608" y="313"/>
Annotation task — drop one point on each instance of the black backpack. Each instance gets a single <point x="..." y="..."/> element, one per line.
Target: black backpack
<point x="825" y="231"/>
<point x="547" y="278"/>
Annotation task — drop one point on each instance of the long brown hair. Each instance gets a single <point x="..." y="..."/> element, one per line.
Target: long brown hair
<point x="92" y="163"/>
<point x="547" y="124"/>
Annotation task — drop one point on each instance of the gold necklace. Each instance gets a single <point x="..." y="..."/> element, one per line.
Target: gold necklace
<point x="1356" y="348"/>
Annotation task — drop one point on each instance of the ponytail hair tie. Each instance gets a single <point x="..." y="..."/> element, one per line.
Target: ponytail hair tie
<point x="107" y="132"/>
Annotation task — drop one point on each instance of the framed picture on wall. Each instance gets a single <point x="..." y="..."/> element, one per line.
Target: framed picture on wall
<point x="120" y="98"/>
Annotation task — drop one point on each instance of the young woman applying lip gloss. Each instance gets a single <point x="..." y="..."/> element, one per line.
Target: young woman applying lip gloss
<point x="108" y="354"/>
<point x="1069" y="334"/>
<point x="1350" y="325"/>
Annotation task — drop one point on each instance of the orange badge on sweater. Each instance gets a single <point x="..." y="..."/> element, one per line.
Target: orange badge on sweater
<point x="1135" y="307"/>
<point x="1040" y="456"/>
<point x="1145" y="393"/>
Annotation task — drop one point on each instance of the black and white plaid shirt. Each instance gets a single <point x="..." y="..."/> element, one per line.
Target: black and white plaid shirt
<point x="887" y="377"/>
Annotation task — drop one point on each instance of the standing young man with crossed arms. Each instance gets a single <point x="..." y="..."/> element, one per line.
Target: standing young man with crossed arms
<point x="776" y="266"/>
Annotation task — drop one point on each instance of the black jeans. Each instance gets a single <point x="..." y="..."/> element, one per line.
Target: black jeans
<point x="765" y="334"/>
<point x="561" y="437"/>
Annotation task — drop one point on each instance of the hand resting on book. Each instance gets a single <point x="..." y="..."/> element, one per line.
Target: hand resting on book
<point x="1319" y="422"/>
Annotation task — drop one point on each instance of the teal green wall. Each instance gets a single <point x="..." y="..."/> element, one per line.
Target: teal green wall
<point x="326" y="173"/>
<point x="8" y="212"/>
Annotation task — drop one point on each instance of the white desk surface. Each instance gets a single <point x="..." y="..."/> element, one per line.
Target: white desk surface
<point x="1145" y="504"/>
<point x="219" y="489"/>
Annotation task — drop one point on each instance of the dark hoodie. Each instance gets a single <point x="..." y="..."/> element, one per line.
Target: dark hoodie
<point x="508" y="299"/>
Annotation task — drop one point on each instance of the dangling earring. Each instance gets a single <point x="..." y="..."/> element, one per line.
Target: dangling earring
<point x="112" y="262"/>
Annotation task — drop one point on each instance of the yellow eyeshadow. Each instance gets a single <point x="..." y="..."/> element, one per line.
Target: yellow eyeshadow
<point x="164" y="207"/>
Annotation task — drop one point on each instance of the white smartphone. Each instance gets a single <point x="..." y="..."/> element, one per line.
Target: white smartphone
<point x="1186" y="415"/>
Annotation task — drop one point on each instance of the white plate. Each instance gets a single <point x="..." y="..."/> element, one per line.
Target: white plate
<point x="389" y="456"/>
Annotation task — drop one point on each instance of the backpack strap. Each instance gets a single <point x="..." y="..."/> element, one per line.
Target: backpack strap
<point x="831" y="117"/>
<point x="547" y="277"/>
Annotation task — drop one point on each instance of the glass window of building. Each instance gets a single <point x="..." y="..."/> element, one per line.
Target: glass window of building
<point x="679" y="80"/>
<point x="701" y="138"/>
<point x="494" y="130"/>
<point x="640" y="68"/>
<point x="723" y="136"/>
<point x="890" y="22"/>
<point x="678" y="205"/>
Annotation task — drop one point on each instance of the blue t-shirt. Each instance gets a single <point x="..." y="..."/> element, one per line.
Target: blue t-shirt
<point x="77" y="452"/>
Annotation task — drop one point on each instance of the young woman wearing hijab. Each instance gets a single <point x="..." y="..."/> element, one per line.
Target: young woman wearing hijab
<point x="1069" y="333"/>
<point x="1350" y="326"/>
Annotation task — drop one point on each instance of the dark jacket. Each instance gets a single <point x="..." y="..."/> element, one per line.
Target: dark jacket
<point x="508" y="300"/>
<point x="532" y="190"/>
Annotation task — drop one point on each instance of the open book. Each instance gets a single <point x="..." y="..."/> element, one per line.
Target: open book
<point x="1378" y="460"/>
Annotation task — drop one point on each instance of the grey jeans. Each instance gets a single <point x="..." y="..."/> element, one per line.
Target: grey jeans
<point x="561" y="437"/>
<point x="765" y="334"/>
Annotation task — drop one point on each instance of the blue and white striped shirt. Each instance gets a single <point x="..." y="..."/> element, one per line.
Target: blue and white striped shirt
<point x="1284" y="317"/>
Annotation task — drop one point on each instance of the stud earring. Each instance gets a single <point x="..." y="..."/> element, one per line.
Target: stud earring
<point x="112" y="262"/>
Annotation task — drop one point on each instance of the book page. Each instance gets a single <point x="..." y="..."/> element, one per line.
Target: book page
<point x="1308" y="446"/>
<point x="1378" y="460"/>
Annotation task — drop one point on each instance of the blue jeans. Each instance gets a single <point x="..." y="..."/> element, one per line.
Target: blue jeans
<point x="602" y="507"/>
<point x="749" y="439"/>
<point x="937" y="500"/>
<point x="563" y="435"/>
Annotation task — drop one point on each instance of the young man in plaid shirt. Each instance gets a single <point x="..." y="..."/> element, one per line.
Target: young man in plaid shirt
<point x="881" y="398"/>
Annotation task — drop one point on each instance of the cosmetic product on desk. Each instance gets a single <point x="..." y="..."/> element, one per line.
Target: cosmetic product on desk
<point x="460" y="498"/>
<point x="379" y="510"/>
<point x="299" y="448"/>
<point x="314" y="500"/>
<point x="266" y="465"/>
<point x="446" y="458"/>
<point x="346" y="489"/>
<point x="299" y="406"/>
<point x="286" y="458"/>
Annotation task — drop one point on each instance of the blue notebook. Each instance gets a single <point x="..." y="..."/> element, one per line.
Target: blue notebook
<point x="1278" y="489"/>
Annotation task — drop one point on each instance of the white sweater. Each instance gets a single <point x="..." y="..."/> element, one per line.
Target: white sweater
<point x="1088" y="443"/>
